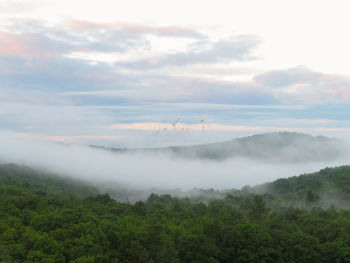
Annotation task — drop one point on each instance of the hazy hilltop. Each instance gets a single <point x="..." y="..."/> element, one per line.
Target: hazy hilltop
<point x="278" y="146"/>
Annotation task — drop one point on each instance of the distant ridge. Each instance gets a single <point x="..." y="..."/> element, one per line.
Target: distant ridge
<point x="277" y="146"/>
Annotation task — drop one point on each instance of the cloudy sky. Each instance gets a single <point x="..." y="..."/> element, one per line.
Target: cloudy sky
<point x="114" y="72"/>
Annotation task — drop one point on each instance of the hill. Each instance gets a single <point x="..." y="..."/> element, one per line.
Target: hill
<point x="326" y="188"/>
<point x="41" y="181"/>
<point x="278" y="146"/>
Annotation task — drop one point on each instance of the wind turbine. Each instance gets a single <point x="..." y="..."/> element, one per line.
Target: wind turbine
<point x="174" y="124"/>
<point x="165" y="130"/>
<point x="204" y="123"/>
<point x="175" y="131"/>
<point x="158" y="134"/>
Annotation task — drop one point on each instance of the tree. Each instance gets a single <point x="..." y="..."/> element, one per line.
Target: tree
<point x="257" y="208"/>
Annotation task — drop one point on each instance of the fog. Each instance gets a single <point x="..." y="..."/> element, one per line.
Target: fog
<point x="145" y="170"/>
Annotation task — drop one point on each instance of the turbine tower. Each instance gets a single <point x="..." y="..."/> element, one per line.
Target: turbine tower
<point x="204" y="123"/>
<point x="174" y="124"/>
<point x="175" y="134"/>
<point x="165" y="130"/>
<point x="158" y="134"/>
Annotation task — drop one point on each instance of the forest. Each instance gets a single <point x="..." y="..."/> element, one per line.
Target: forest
<point x="45" y="218"/>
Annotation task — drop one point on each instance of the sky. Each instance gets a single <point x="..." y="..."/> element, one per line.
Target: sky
<point x="150" y="73"/>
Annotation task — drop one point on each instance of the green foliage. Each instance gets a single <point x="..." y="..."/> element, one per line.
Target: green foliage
<point x="42" y="182"/>
<point x="326" y="188"/>
<point x="44" y="226"/>
<point x="257" y="208"/>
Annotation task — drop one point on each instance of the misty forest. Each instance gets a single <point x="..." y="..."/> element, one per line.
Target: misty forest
<point x="51" y="217"/>
<point x="179" y="131"/>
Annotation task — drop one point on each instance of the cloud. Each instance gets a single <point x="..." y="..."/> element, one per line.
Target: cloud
<point x="38" y="57"/>
<point x="20" y="6"/>
<point x="158" y="88"/>
<point x="46" y="91"/>
<point x="303" y="85"/>
<point x="236" y="49"/>
<point x="43" y="42"/>
<point x="283" y="78"/>
<point x="53" y="74"/>
<point x="135" y="124"/>
<point x="53" y="119"/>
<point x="132" y="30"/>
<point x="30" y="45"/>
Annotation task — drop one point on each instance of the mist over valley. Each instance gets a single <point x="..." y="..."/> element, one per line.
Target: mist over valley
<point x="225" y="165"/>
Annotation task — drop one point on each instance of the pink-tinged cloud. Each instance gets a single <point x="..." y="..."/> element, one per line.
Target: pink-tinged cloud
<point x="26" y="45"/>
<point x="83" y="26"/>
<point x="132" y="30"/>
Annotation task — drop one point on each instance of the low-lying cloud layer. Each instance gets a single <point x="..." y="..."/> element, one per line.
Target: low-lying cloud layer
<point x="147" y="170"/>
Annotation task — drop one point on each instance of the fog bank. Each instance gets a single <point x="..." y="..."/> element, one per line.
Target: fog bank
<point x="147" y="170"/>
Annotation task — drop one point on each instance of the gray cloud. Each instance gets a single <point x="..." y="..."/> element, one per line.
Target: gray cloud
<point x="236" y="49"/>
<point x="302" y="84"/>
<point x="282" y="78"/>
<point x="59" y="73"/>
<point x="158" y="88"/>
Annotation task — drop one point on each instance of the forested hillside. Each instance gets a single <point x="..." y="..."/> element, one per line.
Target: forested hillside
<point x="328" y="187"/>
<point x="46" y="182"/>
<point x="47" y="219"/>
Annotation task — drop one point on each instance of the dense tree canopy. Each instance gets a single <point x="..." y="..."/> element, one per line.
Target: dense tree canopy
<point x="44" y="220"/>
